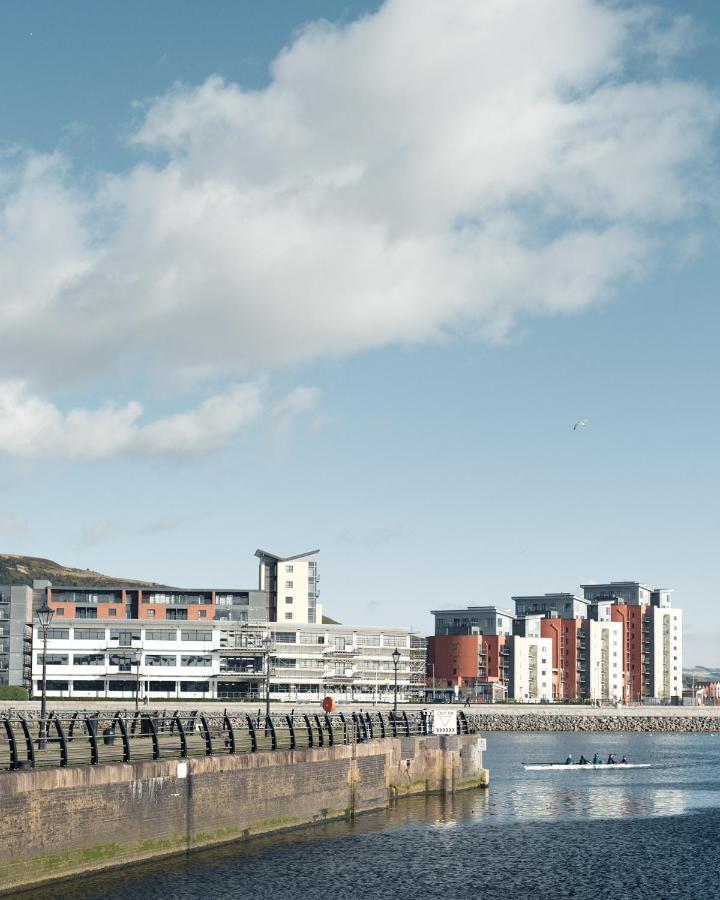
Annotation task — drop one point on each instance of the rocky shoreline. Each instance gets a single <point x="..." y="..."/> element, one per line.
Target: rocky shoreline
<point x="559" y="722"/>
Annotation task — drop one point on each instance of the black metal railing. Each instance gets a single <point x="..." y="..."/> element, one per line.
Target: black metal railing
<point x="93" y="738"/>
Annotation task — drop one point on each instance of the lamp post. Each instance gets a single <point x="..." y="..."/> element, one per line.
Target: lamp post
<point x="396" y="660"/>
<point x="266" y="646"/>
<point x="44" y="617"/>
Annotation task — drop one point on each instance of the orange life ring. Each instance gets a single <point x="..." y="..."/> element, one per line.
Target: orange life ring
<point x="328" y="704"/>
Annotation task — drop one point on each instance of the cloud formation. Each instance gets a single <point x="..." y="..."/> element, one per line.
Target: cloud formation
<point x="34" y="427"/>
<point x="431" y="169"/>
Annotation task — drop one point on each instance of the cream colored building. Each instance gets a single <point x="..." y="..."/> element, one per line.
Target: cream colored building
<point x="292" y="584"/>
<point x="605" y="661"/>
<point x="532" y="669"/>
<point x="667" y="652"/>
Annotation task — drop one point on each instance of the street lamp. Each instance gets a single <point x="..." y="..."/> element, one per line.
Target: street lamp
<point x="396" y="660"/>
<point x="266" y="646"/>
<point x="44" y="617"/>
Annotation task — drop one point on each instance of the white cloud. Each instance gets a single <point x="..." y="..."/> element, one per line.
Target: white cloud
<point x="435" y="168"/>
<point x="34" y="427"/>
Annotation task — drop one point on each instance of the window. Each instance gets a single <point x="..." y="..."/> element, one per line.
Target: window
<point x="194" y="687"/>
<point x="112" y="612"/>
<point x="54" y="659"/>
<point x="288" y="584"/>
<point x="285" y="637"/>
<point x="89" y="634"/>
<point x="55" y="634"/>
<point x="161" y="634"/>
<point x="88" y="659"/>
<point x="157" y="659"/>
<point x="288" y="599"/>
<point x="283" y="663"/>
<point x="196" y="635"/>
<point x="125" y="687"/>
<point x="288" y="615"/>
<point x="124" y="661"/>
<point x="176" y="614"/>
<point x="89" y="685"/>
<point x="59" y="610"/>
<point x="157" y="687"/>
<point x="310" y="663"/>
<point x="150" y="613"/>
<point x="54" y="685"/>
<point x="368" y="640"/>
<point x="202" y="614"/>
<point x="124" y="636"/>
<point x="288" y="568"/>
<point x="198" y="661"/>
<point x="306" y="638"/>
<point x="85" y="612"/>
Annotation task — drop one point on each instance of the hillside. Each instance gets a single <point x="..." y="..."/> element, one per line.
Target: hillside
<point x="24" y="569"/>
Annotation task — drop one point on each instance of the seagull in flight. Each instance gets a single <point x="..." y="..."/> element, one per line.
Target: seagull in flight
<point x="581" y="423"/>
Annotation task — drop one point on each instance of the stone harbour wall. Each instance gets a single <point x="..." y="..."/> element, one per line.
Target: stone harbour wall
<point x="56" y="822"/>
<point x="527" y="721"/>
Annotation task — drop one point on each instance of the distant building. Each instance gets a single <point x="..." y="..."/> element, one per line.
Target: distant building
<point x="15" y="635"/>
<point x="292" y="586"/>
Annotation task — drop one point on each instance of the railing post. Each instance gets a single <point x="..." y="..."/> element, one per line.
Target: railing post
<point x="63" y="741"/>
<point x="71" y="729"/>
<point x="231" y="734"/>
<point x="344" y="724"/>
<point x="29" y="743"/>
<point x="14" y="762"/>
<point x="253" y="735"/>
<point x="321" y="736"/>
<point x="122" y="726"/>
<point x="269" y="724"/>
<point x="207" y="736"/>
<point x="308" y="727"/>
<point x="382" y="724"/>
<point x="369" y="726"/>
<point x="291" y="729"/>
<point x="407" y="723"/>
<point x="91" y="726"/>
<point x="331" y="733"/>
<point x="181" y="732"/>
<point x="394" y="722"/>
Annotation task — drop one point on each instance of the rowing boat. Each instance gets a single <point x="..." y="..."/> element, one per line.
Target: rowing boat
<point x="573" y="766"/>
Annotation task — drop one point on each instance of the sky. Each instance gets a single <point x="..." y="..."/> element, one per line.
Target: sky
<point x="344" y="275"/>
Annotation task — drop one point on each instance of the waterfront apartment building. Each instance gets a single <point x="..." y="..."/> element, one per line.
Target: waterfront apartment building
<point x="292" y="586"/>
<point x="226" y="660"/>
<point x="619" y="641"/>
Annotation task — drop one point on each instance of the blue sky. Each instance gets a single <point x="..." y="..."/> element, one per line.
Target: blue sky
<point x="356" y="297"/>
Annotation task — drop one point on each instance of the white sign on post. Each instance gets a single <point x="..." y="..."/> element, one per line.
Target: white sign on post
<point x="444" y="721"/>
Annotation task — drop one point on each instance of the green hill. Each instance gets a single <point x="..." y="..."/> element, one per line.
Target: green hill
<point x="25" y="569"/>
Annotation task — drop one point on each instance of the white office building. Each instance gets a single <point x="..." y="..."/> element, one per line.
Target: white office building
<point x="532" y="669"/>
<point x="605" y="661"/>
<point x="667" y="652"/>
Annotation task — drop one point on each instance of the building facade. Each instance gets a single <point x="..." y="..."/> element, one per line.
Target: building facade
<point x="15" y="634"/>
<point x="224" y="660"/>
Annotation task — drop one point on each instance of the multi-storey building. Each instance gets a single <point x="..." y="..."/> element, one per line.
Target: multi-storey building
<point x="619" y="641"/>
<point x="532" y="669"/>
<point x="292" y="586"/>
<point x="223" y="659"/>
<point x="15" y="634"/>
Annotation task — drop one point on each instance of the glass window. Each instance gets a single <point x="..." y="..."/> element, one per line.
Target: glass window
<point x="309" y="638"/>
<point x="54" y="685"/>
<point x="59" y="610"/>
<point x="150" y="613"/>
<point x="158" y="659"/>
<point x="368" y="640"/>
<point x="196" y="635"/>
<point x="162" y="687"/>
<point x="88" y="659"/>
<point x="285" y="637"/>
<point x="125" y="636"/>
<point x="54" y="659"/>
<point x="55" y="634"/>
<point x="288" y="599"/>
<point x="161" y="634"/>
<point x="194" y="687"/>
<point x="285" y="663"/>
<point x="89" y="634"/>
<point x="89" y="685"/>
<point x="288" y="615"/>
<point x="202" y="614"/>
<point x="195" y="660"/>
<point x="125" y="687"/>
<point x="288" y="584"/>
<point x="112" y="612"/>
<point x="288" y="568"/>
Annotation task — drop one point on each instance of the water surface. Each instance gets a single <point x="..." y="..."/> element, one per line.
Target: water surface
<point x="572" y="834"/>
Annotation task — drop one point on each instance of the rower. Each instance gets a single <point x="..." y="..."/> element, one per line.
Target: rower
<point x="583" y="761"/>
<point x="623" y="761"/>
<point x="611" y="761"/>
<point x="596" y="760"/>
<point x="569" y="760"/>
